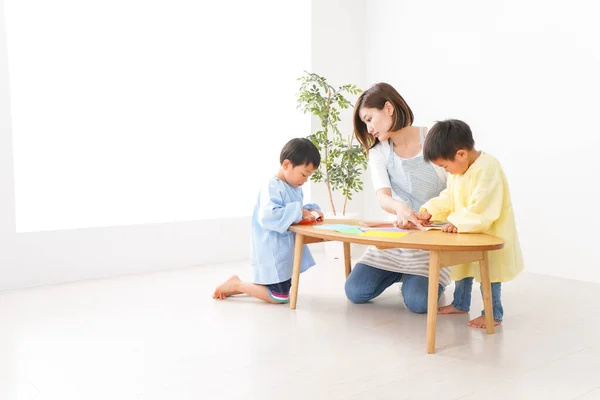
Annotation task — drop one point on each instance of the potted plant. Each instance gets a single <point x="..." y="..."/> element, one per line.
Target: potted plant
<point x="342" y="161"/>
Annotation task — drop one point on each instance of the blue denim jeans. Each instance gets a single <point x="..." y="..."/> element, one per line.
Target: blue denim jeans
<point x="366" y="282"/>
<point x="462" y="298"/>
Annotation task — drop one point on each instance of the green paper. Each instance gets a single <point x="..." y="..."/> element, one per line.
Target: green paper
<point x="354" y="231"/>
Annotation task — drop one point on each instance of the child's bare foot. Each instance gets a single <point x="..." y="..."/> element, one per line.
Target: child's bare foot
<point x="227" y="288"/>
<point x="479" y="322"/>
<point x="450" y="309"/>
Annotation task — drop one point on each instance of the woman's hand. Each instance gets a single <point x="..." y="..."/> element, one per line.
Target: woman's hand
<point x="406" y="219"/>
<point x="449" y="228"/>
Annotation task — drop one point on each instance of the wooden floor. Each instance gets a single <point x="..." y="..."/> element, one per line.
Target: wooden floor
<point x="162" y="336"/>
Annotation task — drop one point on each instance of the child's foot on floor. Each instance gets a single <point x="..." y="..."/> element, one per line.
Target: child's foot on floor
<point x="479" y="322"/>
<point x="450" y="309"/>
<point x="227" y="288"/>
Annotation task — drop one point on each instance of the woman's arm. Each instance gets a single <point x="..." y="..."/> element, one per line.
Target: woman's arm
<point x="388" y="203"/>
<point x="405" y="217"/>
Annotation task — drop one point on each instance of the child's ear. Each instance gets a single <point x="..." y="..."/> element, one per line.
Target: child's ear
<point x="286" y="164"/>
<point x="462" y="154"/>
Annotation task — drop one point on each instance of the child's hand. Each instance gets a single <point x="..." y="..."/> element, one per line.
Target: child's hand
<point x="424" y="217"/>
<point x="450" y="228"/>
<point x="318" y="212"/>
<point x="307" y="216"/>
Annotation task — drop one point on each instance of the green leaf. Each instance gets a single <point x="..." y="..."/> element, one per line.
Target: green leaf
<point x="341" y="164"/>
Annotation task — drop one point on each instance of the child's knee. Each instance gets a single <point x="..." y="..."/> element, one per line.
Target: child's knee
<point x="279" y="293"/>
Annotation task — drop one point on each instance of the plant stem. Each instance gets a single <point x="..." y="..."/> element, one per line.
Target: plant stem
<point x="327" y="153"/>
<point x="350" y="138"/>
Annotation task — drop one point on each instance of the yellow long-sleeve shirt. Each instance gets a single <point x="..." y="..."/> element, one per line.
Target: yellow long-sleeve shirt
<point x="479" y="202"/>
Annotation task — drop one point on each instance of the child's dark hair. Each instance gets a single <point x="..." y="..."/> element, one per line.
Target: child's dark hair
<point x="376" y="97"/>
<point x="445" y="138"/>
<point x="300" y="151"/>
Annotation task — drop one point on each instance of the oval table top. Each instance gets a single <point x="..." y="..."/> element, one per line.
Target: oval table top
<point x="422" y="240"/>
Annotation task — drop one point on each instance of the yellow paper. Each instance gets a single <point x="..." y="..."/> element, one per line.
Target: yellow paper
<point x="384" y="234"/>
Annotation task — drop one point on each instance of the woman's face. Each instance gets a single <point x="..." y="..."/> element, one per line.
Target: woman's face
<point x="378" y="122"/>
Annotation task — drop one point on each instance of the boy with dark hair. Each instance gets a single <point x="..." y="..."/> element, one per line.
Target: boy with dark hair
<point x="477" y="200"/>
<point x="279" y="205"/>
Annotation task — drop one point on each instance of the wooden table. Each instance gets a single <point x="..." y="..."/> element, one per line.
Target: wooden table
<point x="445" y="250"/>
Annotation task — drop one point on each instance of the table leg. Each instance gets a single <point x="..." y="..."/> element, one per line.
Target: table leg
<point x="432" y="304"/>
<point x="486" y="291"/>
<point x="347" y="259"/>
<point x="296" y="270"/>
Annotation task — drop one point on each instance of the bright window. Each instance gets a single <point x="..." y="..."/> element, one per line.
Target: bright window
<point x="132" y="112"/>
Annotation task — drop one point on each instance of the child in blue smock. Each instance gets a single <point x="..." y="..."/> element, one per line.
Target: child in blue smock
<point x="279" y="205"/>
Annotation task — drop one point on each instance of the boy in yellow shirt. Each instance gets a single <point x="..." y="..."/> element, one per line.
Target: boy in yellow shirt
<point x="477" y="200"/>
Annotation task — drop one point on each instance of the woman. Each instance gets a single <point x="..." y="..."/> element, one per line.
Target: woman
<point x="403" y="182"/>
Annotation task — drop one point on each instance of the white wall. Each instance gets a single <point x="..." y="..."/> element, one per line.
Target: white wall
<point x="524" y="75"/>
<point x="28" y="259"/>
<point x="36" y="258"/>
<point x="338" y="48"/>
<point x="129" y="127"/>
